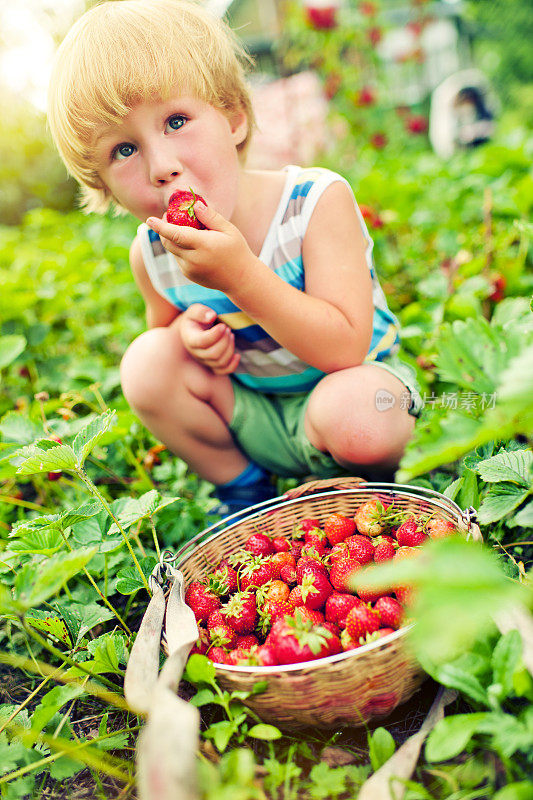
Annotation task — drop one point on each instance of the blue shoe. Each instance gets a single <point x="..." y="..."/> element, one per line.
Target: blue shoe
<point x="235" y="499"/>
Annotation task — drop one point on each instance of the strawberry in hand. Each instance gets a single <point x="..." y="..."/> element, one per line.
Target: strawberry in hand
<point x="180" y="210"/>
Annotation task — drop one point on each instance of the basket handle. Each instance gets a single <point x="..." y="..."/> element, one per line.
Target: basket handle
<point x="314" y="487"/>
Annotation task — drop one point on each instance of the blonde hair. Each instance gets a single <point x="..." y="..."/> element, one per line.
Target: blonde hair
<point x="123" y="52"/>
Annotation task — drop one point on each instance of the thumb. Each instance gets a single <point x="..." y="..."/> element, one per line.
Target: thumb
<point x="201" y="314"/>
<point x="211" y="218"/>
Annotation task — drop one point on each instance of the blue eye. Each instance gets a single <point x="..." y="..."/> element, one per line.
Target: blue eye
<point x="124" y="150"/>
<point x="175" y="122"/>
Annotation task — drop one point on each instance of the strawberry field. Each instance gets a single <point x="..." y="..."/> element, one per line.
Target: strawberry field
<point x="89" y="499"/>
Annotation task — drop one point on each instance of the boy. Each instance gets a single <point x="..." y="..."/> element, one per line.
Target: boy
<point x="270" y="343"/>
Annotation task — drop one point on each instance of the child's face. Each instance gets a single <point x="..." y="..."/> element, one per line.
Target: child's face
<point x="163" y="146"/>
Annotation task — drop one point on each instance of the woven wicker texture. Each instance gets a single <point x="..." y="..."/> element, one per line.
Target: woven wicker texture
<point x="351" y="688"/>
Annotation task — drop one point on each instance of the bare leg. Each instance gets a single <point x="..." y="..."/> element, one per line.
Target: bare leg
<point x="343" y="418"/>
<point x="185" y="405"/>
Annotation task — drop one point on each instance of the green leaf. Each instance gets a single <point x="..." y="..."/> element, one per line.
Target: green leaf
<point x="36" y="583"/>
<point x="65" y="767"/>
<point x="451" y="735"/>
<point x="200" y="669"/>
<point x="518" y="790"/>
<point x="51" y="624"/>
<point x="203" y="697"/>
<point x="57" y="459"/>
<point x="524" y="517"/>
<point x="468" y="493"/>
<point x="50" y="704"/>
<point x="108" y="652"/>
<point x="381" y="747"/>
<point x="17" y="427"/>
<point x="453" y="488"/>
<point x="128" y="578"/>
<point x="469" y="354"/>
<point x="454" y="677"/>
<point x="500" y="500"/>
<point x="46" y="542"/>
<point x="220" y="733"/>
<point x="266" y="732"/>
<point x="505" y="659"/>
<point x="10" y="348"/>
<point x="87" y="439"/>
<point x="513" y="466"/>
<point x="137" y="508"/>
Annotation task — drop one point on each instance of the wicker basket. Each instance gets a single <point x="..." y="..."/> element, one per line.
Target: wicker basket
<point x="350" y="688"/>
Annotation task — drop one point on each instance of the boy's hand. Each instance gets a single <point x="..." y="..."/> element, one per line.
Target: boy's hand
<point x="217" y="257"/>
<point x="208" y="342"/>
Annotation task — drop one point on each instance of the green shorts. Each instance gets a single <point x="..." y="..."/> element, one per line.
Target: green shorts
<point x="269" y="428"/>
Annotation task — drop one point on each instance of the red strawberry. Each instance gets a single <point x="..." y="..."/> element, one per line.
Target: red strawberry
<point x="339" y="551"/>
<point x="362" y="620"/>
<point x="409" y="534"/>
<point x="297" y="639"/>
<point x="201" y="600"/>
<point x="322" y="17"/>
<point x="439" y="528"/>
<point x="241" y="612"/>
<point x="259" y="544"/>
<point x="338" y="527"/>
<point x="202" y="643"/>
<point x="223" y="634"/>
<point x="381" y="632"/>
<point x="218" y="655"/>
<point x="366" y="97"/>
<point x="498" y="284"/>
<point x="330" y="626"/>
<point x="180" y="209"/>
<point x="296" y="548"/>
<point x="390" y="612"/>
<point x="265" y="656"/>
<point x="255" y="574"/>
<point x="247" y="641"/>
<point x="288" y="574"/>
<point x="223" y="580"/>
<point x="361" y="548"/>
<point x="307" y="565"/>
<point x="296" y="597"/>
<point x="279" y="560"/>
<point x="278" y="608"/>
<point x="54" y="476"/>
<point x="315" y="589"/>
<point x="342" y="572"/>
<point x="369" y="594"/>
<point x="316" y="617"/>
<point x="338" y="606"/>
<point x="347" y="642"/>
<point x="238" y="655"/>
<point x="306" y="524"/>
<point x="281" y="544"/>
<point x="417" y="124"/>
<point x="383" y="552"/>
<point x="315" y="550"/>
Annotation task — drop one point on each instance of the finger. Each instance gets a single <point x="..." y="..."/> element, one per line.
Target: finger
<point x="229" y="368"/>
<point x="211" y="218"/>
<point x="175" y="237"/>
<point x="201" y="314"/>
<point x="200" y="340"/>
<point x="221" y="351"/>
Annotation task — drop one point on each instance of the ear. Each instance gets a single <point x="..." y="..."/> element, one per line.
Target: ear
<point x="238" y="121"/>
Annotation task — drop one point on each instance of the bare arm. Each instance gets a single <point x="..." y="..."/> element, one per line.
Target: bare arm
<point x="330" y="325"/>
<point x="159" y="312"/>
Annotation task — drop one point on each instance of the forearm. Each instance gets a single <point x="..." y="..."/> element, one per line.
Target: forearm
<point x="311" y="328"/>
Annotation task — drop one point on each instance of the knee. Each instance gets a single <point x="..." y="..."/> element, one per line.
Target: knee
<point x="348" y="425"/>
<point x="147" y="368"/>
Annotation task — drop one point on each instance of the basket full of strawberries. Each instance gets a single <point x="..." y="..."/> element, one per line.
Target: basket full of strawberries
<point x="273" y="595"/>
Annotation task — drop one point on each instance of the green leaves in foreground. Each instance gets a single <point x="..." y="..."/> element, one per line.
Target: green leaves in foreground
<point x="460" y="585"/>
<point x="37" y="582"/>
<point x="47" y="457"/>
<point x="491" y="361"/>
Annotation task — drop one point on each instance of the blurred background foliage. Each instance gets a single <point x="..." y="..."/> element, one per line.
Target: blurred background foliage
<point x="32" y="176"/>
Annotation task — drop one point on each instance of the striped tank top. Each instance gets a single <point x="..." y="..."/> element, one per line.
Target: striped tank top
<point x="264" y="365"/>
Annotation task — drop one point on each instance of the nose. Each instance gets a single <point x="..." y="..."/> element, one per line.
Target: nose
<point x="164" y="165"/>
